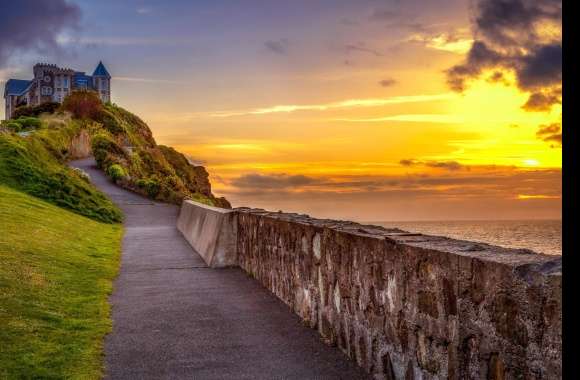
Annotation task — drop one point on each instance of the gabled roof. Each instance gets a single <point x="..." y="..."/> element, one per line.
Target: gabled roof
<point x="16" y="86"/>
<point x="101" y="71"/>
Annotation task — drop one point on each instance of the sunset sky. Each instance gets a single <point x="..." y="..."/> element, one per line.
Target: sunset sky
<point x="367" y="110"/>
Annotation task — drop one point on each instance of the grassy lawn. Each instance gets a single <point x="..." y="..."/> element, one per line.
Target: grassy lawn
<point x="56" y="272"/>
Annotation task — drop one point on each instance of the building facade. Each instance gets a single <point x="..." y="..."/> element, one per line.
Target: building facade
<point x="52" y="84"/>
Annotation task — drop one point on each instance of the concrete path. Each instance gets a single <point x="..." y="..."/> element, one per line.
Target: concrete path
<point x="175" y="318"/>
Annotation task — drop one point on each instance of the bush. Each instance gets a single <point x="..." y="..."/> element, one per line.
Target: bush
<point x="13" y="125"/>
<point x="116" y="172"/>
<point x="103" y="146"/>
<point x="150" y="185"/>
<point x="49" y="107"/>
<point x="24" y="111"/>
<point x="110" y="123"/>
<point x="29" y="122"/>
<point x="83" y="104"/>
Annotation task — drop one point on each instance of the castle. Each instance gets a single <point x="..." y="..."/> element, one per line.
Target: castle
<point x="52" y="84"/>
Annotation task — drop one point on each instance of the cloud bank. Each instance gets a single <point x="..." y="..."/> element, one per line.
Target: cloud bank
<point x="489" y="192"/>
<point x="519" y="36"/>
<point x="34" y="25"/>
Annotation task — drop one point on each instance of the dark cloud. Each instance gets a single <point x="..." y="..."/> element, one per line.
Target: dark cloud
<point x="482" y="184"/>
<point x="478" y="58"/>
<point x="388" y="82"/>
<point x="274" y="181"/>
<point x="407" y="162"/>
<point x="279" y="46"/>
<point x="513" y="35"/>
<point x="447" y="165"/>
<point x="383" y="15"/>
<point x="542" y="68"/>
<point x="551" y="133"/>
<point x="361" y="47"/>
<point x="498" y="77"/>
<point x="34" y="25"/>
<point x="539" y="101"/>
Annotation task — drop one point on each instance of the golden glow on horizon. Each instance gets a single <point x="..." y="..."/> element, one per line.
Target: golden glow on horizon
<point x="500" y="133"/>
<point x="537" y="196"/>
<point x="463" y="147"/>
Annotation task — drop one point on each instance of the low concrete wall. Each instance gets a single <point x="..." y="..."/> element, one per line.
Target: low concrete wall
<point x="211" y="231"/>
<point x="411" y="306"/>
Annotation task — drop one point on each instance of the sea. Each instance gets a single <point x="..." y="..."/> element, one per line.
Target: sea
<point x="542" y="236"/>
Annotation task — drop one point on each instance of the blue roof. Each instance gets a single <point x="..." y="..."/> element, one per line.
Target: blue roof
<point x="16" y="86"/>
<point x="101" y="71"/>
<point x="80" y="78"/>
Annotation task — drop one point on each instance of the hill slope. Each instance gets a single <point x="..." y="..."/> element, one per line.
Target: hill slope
<point x="36" y="166"/>
<point x="125" y="149"/>
<point x="54" y="281"/>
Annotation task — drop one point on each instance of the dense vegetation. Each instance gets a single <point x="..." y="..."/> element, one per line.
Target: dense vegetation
<point x="56" y="273"/>
<point x="23" y="111"/>
<point x="124" y="148"/>
<point x="35" y="165"/>
<point x="122" y="144"/>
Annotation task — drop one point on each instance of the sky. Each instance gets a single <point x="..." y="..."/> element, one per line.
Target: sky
<point x="365" y="110"/>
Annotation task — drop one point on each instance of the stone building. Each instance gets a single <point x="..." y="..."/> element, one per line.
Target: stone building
<point x="52" y="84"/>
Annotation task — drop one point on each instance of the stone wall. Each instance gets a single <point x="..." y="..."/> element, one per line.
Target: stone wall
<point x="410" y="306"/>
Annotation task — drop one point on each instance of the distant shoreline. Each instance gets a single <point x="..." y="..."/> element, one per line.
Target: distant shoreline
<point x="539" y="235"/>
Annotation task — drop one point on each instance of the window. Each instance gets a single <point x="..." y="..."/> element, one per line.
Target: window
<point x="65" y="82"/>
<point x="45" y="90"/>
<point x="46" y="78"/>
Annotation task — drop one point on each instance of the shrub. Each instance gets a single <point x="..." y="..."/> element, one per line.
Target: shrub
<point x="29" y="122"/>
<point x="116" y="172"/>
<point x="13" y="125"/>
<point x="150" y="185"/>
<point x="48" y="107"/>
<point x="110" y="123"/>
<point x="103" y="146"/>
<point x="83" y="104"/>
<point x="22" y="111"/>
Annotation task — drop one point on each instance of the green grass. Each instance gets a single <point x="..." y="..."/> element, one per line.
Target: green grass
<point x="35" y="165"/>
<point x="56" y="272"/>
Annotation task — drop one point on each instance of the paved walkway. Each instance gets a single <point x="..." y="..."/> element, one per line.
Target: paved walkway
<point x="175" y="318"/>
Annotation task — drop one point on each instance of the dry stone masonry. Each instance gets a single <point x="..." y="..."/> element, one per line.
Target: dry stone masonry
<point x="409" y="306"/>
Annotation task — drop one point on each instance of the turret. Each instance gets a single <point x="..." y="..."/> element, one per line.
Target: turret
<point x="102" y="82"/>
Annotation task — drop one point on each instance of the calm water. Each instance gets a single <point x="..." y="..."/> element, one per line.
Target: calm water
<point x="543" y="236"/>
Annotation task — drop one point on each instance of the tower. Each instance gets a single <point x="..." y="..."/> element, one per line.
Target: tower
<point x="102" y="82"/>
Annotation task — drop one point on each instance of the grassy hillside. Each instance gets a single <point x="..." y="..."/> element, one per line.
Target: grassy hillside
<point x="36" y="166"/>
<point x="122" y="145"/>
<point x="56" y="272"/>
